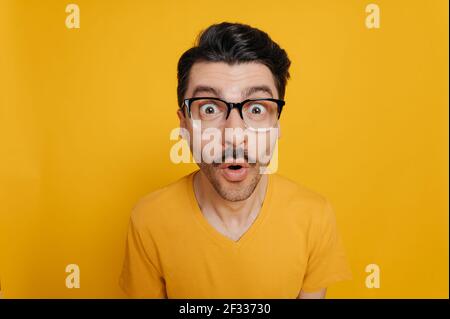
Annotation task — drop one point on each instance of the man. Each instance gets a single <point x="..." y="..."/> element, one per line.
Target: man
<point x="229" y="230"/>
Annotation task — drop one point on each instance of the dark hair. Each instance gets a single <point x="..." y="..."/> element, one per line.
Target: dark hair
<point x="235" y="43"/>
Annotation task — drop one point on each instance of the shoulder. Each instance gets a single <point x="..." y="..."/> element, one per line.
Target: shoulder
<point x="300" y="200"/>
<point x="293" y="191"/>
<point x="305" y="208"/>
<point x="160" y="204"/>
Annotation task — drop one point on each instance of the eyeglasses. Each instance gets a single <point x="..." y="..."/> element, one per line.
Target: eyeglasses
<point x="213" y="112"/>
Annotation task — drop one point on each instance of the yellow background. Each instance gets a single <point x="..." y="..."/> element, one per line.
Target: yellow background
<point x="85" y="117"/>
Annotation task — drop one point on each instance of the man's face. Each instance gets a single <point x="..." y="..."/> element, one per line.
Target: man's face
<point x="234" y="172"/>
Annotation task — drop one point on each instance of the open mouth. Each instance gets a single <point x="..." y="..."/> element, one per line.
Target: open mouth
<point x="235" y="172"/>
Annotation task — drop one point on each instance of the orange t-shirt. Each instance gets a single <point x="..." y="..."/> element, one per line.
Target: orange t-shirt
<point x="173" y="252"/>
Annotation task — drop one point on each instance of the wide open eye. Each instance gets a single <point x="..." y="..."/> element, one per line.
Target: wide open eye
<point x="260" y="113"/>
<point x="209" y="109"/>
<point x="256" y="109"/>
<point x="205" y="109"/>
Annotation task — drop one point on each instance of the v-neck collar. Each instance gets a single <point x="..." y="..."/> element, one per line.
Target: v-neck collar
<point x="214" y="233"/>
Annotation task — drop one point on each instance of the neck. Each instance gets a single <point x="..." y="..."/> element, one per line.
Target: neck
<point x="230" y="213"/>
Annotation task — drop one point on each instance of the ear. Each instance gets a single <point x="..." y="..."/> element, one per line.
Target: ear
<point x="182" y="118"/>
<point x="183" y="124"/>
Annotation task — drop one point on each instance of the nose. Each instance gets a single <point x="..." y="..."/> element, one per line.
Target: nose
<point x="236" y="130"/>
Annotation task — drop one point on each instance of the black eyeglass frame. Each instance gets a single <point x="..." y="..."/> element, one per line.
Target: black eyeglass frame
<point x="231" y="106"/>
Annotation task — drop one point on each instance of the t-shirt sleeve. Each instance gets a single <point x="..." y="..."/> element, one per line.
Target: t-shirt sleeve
<point x="140" y="277"/>
<point x="327" y="262"/>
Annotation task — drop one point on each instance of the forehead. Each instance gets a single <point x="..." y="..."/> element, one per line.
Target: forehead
<point x="231" y="80"/>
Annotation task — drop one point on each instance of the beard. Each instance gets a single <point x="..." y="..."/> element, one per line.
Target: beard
<point x="232" y="191"/>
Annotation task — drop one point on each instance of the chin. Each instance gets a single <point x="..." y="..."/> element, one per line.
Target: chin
<point x="239" y="190"/>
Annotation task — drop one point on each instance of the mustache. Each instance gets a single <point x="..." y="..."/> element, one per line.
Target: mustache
<point x="233" y="154"/>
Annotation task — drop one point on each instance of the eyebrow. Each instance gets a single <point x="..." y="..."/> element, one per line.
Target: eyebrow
<point x="257" y="89"/>
<point x="206" y="89"/>
<point x="246" y="93"/>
